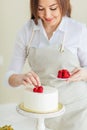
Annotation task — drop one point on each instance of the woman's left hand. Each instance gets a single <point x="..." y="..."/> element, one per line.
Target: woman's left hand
<point x="78" y="74"/>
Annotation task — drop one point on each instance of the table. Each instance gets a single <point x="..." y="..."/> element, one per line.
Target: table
<point x="9" y="116"/>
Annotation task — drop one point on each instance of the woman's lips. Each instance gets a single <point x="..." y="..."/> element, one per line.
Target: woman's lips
<point x="48" y="19"/>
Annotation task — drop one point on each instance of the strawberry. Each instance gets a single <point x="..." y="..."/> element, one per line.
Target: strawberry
<point x="38" y="89"/>
<point x="35" y="89"/>
<point x="66" y="74"/>
<point x="59" y="74"/>
<point x="63" y="73"/>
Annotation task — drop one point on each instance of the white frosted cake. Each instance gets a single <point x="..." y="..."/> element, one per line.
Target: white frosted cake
<point x="41" y="102"/>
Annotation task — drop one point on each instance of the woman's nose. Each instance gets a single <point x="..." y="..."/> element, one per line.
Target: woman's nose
<point x="47" y="13"/>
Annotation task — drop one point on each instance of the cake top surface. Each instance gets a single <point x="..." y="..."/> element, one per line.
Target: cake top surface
<point x="47" y="90"/>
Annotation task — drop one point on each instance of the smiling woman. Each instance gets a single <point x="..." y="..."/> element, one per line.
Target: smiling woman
<point x="52" y="41"/>
<point x="50" y="15"/>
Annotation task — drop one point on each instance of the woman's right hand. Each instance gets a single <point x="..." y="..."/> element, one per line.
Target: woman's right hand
<point x="30" y="78"/>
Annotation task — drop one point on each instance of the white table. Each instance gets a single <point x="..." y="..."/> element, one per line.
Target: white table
<point x="9" y="116"/>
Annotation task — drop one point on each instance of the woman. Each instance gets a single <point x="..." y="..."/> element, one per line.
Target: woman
<point x="51" y="41"/>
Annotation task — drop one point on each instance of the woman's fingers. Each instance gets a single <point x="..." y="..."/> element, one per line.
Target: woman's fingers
<point x="74" y="78"/>
<point x="24" y="83"/>
<point x="78" y="74"/>
<point x="32" y="78"/>
<point x="27" y="80"/>
<point x="36" y="78"/>
<point x="76" y="70"/>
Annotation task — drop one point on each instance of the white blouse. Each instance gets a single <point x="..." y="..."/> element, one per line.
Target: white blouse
<point x="71" y="32"/>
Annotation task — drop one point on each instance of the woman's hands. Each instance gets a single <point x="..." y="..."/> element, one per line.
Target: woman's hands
<point x="31" y="78"/>
<point x="24" y="79"/>
<point x="78" y="74"/>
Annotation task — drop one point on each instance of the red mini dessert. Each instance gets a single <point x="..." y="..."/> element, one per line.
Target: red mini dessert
<point x="38" y="89"/>
<point x="63" y="74"/>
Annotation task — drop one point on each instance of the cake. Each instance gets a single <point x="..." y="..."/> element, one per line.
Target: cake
<point x="44" y="102"/>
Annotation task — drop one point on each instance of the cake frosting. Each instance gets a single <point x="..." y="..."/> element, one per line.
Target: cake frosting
<point x="41" y="102"/>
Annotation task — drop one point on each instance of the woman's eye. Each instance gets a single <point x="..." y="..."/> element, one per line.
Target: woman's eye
<point x="53" y="8"/>
<point x="40" y="9"/>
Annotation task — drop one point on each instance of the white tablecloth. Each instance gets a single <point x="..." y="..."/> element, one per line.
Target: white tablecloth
<point x="9" y="116"/>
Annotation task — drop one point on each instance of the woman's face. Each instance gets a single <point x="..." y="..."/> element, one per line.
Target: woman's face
<point x="49" y="12"/>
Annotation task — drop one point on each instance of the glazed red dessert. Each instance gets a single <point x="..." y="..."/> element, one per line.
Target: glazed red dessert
<point x="38" y="89"/>
<point x="63" y="74"/>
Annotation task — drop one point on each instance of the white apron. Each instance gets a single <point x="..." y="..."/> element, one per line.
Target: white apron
<point x="46" y="62"/>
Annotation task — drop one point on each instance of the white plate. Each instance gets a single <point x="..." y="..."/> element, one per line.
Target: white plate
<point x="20" y="108"/>
<point x="62" y="78"/>
<point x="58" y="78"/>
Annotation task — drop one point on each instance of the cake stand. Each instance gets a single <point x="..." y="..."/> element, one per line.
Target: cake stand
<point x="40" y="116"/>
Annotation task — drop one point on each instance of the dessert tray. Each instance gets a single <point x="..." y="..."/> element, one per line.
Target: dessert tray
<point x="40" y="116"/>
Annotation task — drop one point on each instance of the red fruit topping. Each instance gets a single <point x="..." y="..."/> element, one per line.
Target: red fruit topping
<point x="35" y="89"/>
<point x="59" y="74"/>
<point x="63" y="73"/>
<point x="38" y="89"/>
<point x="66" y="74"/>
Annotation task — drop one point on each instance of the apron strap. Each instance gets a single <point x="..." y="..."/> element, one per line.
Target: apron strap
<point x="32" y="35"/>
<point x="62" y="45"/>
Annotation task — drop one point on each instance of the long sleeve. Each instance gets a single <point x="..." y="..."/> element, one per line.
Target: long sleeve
<point x="18" y="57"/>
<point x="82" y="50"/>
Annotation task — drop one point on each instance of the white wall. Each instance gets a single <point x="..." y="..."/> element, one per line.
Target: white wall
<point x="79" y="9"/>
<point x="13" y="13"/>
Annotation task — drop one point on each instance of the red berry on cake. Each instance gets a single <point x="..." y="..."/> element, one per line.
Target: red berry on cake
<point x="38" y="89"/>
<point x="35" y="89"/>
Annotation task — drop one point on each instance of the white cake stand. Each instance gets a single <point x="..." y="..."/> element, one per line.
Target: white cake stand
<point x="39" y="116"/>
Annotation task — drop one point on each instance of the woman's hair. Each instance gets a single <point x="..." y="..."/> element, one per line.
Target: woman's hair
<point x="64" y="5"/>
